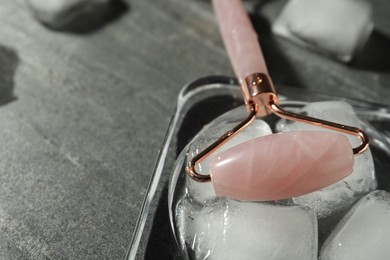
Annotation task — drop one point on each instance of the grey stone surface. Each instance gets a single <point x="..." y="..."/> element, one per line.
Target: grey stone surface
<point x="82" y="117"/>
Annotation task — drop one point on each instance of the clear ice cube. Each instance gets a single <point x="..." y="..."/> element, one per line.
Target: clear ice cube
<point x="364" y="233"/>
<point x="208" y="227"/>
<point x="205" y="191"/>
<point x="332" y="202"/>
<point x="228" y="229"/>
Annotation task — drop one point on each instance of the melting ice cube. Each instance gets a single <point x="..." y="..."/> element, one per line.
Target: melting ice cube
<point x="205" y="191"/>
<point x="364" y="233"/>
<point x="331" y="201"/>
<point x="228" y="229"/>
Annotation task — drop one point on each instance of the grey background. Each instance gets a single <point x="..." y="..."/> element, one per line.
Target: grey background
<point x="83" y="116"/>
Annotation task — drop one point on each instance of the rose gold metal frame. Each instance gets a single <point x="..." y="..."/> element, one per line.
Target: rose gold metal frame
<point x="261" y="100"/>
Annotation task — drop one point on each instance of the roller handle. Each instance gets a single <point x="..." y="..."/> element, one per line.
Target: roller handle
<point x="240" y="38"/>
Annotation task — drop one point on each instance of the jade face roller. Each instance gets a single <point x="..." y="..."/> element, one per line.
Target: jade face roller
<point x="277" y="166"/>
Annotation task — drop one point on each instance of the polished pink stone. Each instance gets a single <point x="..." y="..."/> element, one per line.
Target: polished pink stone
<point x="280" y="166"/>
<point x="239" y="37"/>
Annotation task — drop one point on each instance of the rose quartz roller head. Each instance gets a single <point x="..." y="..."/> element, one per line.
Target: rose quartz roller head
<point x="277" y="166"/>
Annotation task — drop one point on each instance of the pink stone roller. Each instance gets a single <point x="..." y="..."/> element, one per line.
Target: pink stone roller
<point x="277" y="166"/>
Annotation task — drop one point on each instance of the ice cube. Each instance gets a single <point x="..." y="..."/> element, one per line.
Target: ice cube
<point x="205" y="191"/>
<point x="228" y="229"/>
<point x="332" y="201"/>
<point x="364" y="233"/>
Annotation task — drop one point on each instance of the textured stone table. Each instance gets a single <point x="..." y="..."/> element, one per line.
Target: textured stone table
<point x="83" y="115"/>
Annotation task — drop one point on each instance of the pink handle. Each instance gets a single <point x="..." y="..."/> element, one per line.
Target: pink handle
<point x="240" y="38"/>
